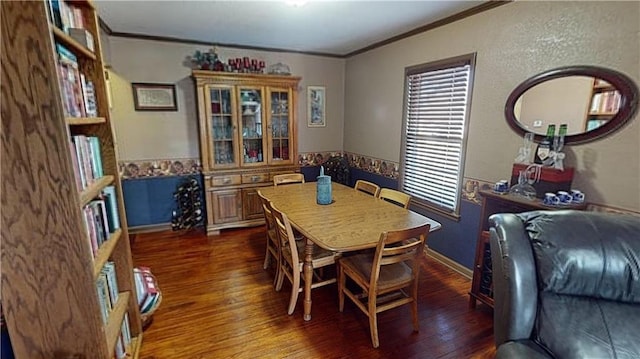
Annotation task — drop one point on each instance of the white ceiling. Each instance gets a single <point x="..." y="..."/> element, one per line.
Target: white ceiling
<point x="320" y="26"/>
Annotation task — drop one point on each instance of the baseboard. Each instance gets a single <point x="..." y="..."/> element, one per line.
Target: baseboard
<point x="455" y="266"/>
<point x="150" y="228"/>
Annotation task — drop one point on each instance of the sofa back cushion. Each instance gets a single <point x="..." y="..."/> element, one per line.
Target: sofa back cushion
<point x="586" y="253"/>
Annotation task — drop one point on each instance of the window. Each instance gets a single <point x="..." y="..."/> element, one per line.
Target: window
<point x="436" y="113"/>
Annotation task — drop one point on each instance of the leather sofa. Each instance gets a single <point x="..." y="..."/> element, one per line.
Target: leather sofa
<point x="566" y="284"/>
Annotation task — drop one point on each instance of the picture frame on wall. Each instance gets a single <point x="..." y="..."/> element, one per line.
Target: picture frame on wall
<point x="316" y="100"/>
<point x="154" y="97"/>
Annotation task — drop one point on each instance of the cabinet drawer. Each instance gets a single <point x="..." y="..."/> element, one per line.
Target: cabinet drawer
<point x="255" y="177"/>
<point x="227" y="180"/>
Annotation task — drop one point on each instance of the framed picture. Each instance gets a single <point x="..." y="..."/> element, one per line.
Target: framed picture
<point x="316" y="106"/>
<point x="154" y="97"/>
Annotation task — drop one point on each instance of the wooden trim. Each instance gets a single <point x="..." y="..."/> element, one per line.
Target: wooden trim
<point x="453" y="265"/>
<point x="94" y="189"/>
<point x="71" y="42"/>
<point x="104" y="252"/>
<point x="116" y="316"/>
<point x="150" y="228"/>
<point x="104" y="27"/>
<point x="208" y="43"/>
<point x="77" y="121"/>
<point x="447" y="20"/>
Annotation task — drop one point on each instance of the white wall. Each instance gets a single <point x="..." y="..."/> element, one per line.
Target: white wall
<point x="513" y="42"/>
<point x="171" y="135"/>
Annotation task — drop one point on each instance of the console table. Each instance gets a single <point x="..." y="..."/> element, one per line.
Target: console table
<point x="482" y="284"/>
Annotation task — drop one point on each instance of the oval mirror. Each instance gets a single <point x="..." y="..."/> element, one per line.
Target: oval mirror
<point x="592" y="101"/>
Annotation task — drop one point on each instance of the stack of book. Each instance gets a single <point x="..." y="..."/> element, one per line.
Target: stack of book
<point x="107" y="288"/>
<point x="78" y="92"/>
<point x="87" y="160"/>
<point x="607" y="102"/>
<point x="146" y="289"/>
<point x="101" y="218"/>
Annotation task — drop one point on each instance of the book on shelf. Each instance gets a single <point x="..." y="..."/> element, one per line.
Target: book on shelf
<point x="109" y="270"/>
<point x="70" y="81"/>
<point x="88" y="96"/>
<point x="110" y="200"/>
<point x="90" y="228"/>
<point x="103" y="297"/>
<point x="100" y="216"/>
<point x="126" y="330"/>
<point x="76" y="166"/>
<point x="65" y="15"/>
<point x="96" y="224"/>
<point x="96" y="156"/>
<point x="82" y="36"/>
<point x="88" y="155"/>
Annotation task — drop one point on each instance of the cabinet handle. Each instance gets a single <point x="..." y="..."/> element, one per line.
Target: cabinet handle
<point x="226" y="180"/>
<point x="255" y="178"/>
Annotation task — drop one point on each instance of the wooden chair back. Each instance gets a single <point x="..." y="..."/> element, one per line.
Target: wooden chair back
<point x="367" y="187"/>
<point x="288" y="178"/>
<point x="273" y="243"/>
<point x="396" y="247"/>
<point x="396" y="197"/>
<point x="286" y="237"/>
<point x="388" y="278"/>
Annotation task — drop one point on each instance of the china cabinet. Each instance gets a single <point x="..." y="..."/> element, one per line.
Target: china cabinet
<point x="247" y="135"/>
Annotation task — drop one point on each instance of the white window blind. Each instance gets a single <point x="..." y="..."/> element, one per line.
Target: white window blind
<point x="436" y="102"/>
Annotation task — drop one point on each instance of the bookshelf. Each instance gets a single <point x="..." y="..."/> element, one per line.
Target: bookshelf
<point x="49" y="269"/>
<point x="605" y="103"/>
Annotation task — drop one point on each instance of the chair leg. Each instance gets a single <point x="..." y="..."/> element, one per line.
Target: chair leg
<point x="277" y="274"/>
<point x="280" y="277"/>
<point x="341" y="282"/>
<point x="295" y="289"/>
<point x="373" y="325"/>
<point x="414" y="315"/>
<point x="267" y="256"/>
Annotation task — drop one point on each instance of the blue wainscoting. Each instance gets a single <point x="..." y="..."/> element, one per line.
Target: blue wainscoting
<point x="149" y="201"/>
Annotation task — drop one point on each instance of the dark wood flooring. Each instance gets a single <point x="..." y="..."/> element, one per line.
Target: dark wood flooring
<point x="218" y="302"/>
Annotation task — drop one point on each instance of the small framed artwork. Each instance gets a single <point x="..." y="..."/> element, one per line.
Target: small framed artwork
<point x="154" y="97"/>
<point x="316" y="106"/>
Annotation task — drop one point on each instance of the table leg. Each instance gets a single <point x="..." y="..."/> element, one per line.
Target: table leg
<point x="308" y="278"/>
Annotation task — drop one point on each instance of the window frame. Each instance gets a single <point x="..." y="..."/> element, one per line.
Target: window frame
<point x="467" y="59"/>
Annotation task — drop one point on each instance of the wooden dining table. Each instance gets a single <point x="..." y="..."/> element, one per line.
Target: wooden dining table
<point x="353" y="221"/>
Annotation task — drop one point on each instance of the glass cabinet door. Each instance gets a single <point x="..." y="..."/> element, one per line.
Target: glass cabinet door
<point x="280" y="126"/>
<point x="251" y="126"/>
<point x="222" y="127"/>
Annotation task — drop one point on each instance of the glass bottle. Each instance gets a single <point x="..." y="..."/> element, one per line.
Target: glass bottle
<point x="544" y="147"/>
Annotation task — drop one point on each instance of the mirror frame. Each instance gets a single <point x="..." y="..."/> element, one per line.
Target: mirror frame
<point x="628" y="102"/>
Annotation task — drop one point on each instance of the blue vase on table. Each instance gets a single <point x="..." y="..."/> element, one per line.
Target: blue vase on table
<point x="323" y="188"/>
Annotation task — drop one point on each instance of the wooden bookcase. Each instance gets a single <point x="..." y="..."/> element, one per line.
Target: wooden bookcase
<point x="604" y="104"/>
<point x="49" y="275"/>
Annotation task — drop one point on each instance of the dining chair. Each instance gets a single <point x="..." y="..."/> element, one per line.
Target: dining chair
<point x="288" y="178"/>
<point x="387" y="279"/>
<point x="367" y="187"/>
<point x="292" y="259"/>
<point x="273" y="243"/>
<point x="395" y="197"/>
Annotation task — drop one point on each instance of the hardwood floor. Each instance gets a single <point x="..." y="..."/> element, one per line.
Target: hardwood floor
<point x="218" y="302"/>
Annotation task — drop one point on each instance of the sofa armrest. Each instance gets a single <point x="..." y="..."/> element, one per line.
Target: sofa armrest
<point x="515" y="291"/>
